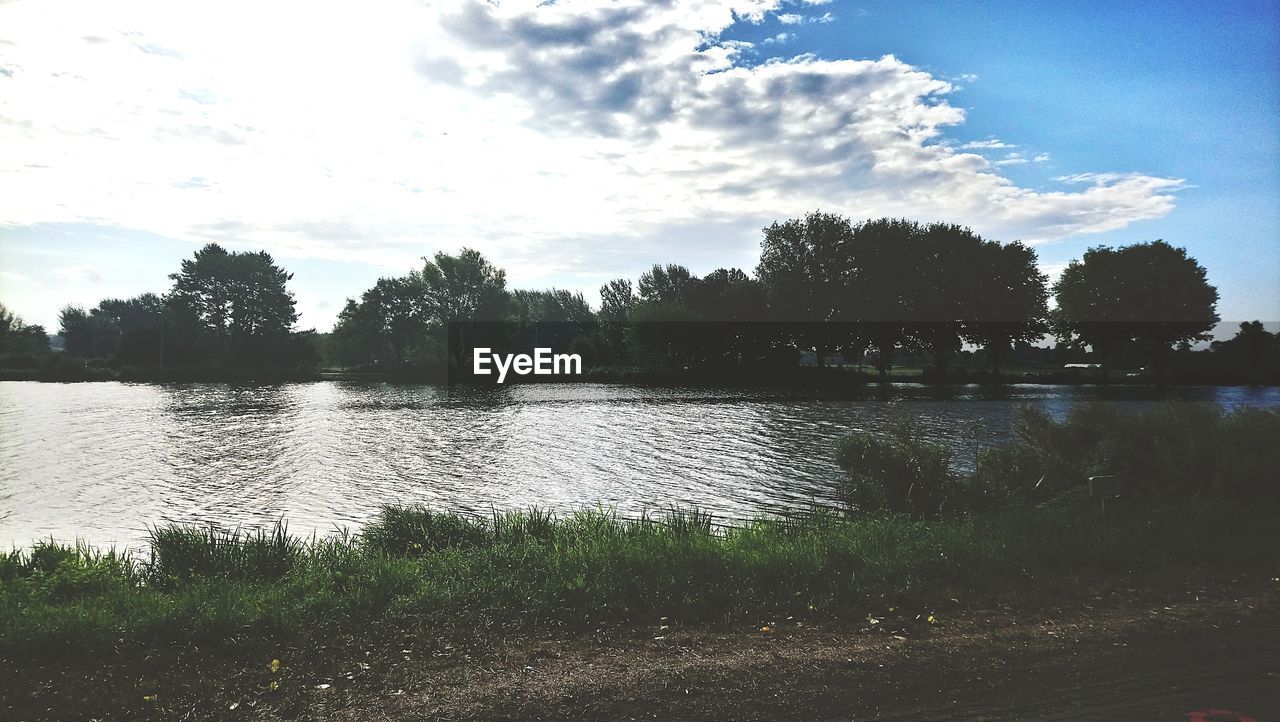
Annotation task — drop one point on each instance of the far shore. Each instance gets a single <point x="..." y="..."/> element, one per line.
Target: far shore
<point x="829" y="377"/>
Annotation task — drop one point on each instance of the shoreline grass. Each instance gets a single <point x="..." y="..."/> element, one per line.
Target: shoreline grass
<point x="521" y="570"/>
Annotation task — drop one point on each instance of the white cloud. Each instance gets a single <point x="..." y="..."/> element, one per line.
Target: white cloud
<point x="566" y="138"/>
<point x="79" y="273"/>
<point x="989" y="144"/>
<point x="1040" y="158"/>
<point x="798" y="19"/>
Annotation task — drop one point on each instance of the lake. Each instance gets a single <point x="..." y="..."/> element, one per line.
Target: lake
<point x="101" y="461"/>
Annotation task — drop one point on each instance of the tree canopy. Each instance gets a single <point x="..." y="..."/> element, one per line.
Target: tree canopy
<point x="1146" y="297"/>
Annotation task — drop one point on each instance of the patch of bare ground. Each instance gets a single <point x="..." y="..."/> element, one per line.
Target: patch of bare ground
<point x="966" y="664"/>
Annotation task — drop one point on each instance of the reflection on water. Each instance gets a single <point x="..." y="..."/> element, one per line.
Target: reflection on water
<point x="102" y="461"/>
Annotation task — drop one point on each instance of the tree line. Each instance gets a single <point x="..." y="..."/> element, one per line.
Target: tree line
<point x="824" y="284"/>
<point x="871" y="292"/>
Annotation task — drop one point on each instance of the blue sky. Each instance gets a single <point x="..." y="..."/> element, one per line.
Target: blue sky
<point x="579" y="142"/>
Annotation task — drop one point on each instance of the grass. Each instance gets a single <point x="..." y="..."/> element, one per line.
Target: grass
<point x="529" y="569"/>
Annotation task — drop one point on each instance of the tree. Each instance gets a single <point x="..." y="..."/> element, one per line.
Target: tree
<point x="617" y="299"/>
<point x="884" y="258"/>
<point x="465" y="298"/>
<point x="130" y="329"/>
<point x="77" y="331"/>
<point x="728" y="304"/>
<point x="805" y="269"/>
<point x="553" y="318"/>
<point x="1010" y="303"/>
<point x="943" y="288"/>
<point x="238" y="301"/>
<point x="1253" y="348"/>
<point x="17" y="337"/>
<point x="1146" y="296"/>
<point x="664" y="284"/>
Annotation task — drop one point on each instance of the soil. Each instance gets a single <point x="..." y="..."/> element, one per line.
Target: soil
<point x="1103" y="660"/>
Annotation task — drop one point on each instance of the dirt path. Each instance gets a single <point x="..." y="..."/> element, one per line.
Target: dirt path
<point x="1120" y="659"/>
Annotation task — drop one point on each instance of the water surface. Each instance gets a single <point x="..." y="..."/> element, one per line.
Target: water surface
<point x="100" y="461"/>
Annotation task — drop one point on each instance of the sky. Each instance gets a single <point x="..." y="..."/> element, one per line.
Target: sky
<point x="575" y="142"/>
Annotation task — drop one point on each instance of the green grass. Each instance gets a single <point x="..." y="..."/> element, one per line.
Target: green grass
<point x="530" y="569"/>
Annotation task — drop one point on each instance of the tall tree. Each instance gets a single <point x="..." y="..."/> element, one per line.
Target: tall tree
<point x="1010" y="301"/>
<point x="664" y="284"/>
<point x="17" y="337"/>
<point x="1253" y="349"/>
<point x="552" y="318"/>
<point x="466" y="299"/>
<point x="617" y="299"/>
<point x="240" y="300"/>
<point x="884" y="260"/>
<point x="943" y="287"/>
<point x="76" y="330"/>
<point x="1146" y="296"/>
<point x="805" y="269"/>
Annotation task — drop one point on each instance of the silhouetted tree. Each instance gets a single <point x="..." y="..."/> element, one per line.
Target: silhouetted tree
<point x="17" y="337"/>
<point x="76" y="330"/>
<point x="238" y="303"/>
<point x="616" y="301"/>
<point x="1146" y="296"/>
<point x="884" y="258"/>
<point x="664" y="284"/>
<point x="1010" y="302"/>
<point x="465" y="298"/>
<point x="553" y="318"/>
<point x="806" y="273"/>
<point x="1253" y="348"/>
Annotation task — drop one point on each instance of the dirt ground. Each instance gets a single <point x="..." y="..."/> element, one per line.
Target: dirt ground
<point x="1218" y="649"/>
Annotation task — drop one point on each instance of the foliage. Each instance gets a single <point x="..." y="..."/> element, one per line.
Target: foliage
<point x="890" y="291"/>
<point x="1254" y="349"/>
<point x="525" y="571"/>
<point x="18" y="338"/>
<point x="1145" y="296"/>
<point x="181" y="553"/>
<point x="897" y="471"/>
<point x="233" y="305"/>
<point x="1172" y="450"/>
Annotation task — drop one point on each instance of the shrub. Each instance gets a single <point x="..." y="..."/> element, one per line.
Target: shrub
<point x="896" y="471"/>
<point x="1173" y="450"/>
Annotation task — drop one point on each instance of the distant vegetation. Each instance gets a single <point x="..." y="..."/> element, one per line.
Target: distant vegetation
<point x="882" y="293"/>
<point x="1173" y="451"/>
<point x="1187" y="502"/>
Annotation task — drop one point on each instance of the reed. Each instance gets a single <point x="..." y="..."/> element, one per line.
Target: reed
<point x="421" y="567"/>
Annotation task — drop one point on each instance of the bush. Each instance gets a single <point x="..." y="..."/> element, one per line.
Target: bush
<point x="896" y="471"/>
<point x="1175" y="450"/>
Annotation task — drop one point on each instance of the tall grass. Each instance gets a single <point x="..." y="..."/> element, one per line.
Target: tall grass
<point x="414" y="565"/>
<point x="183" y="552"/>
<point x="1170" y="451"/>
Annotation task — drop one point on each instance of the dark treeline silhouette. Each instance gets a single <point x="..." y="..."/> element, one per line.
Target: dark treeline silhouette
<point x="228" y="314"/>
<point x="827" y="291"/>
<point x="826" y="288"/>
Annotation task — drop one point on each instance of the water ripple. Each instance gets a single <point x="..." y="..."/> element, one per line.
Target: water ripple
<point x="103" y="461"/>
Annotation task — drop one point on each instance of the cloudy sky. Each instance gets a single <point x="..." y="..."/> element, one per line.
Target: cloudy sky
<point x="574" y="142"/>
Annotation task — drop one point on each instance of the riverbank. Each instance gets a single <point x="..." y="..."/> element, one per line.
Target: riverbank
<point x="1119" y="654"/>
<point x="828" y="380"/>
<point x="198" y="620"/>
